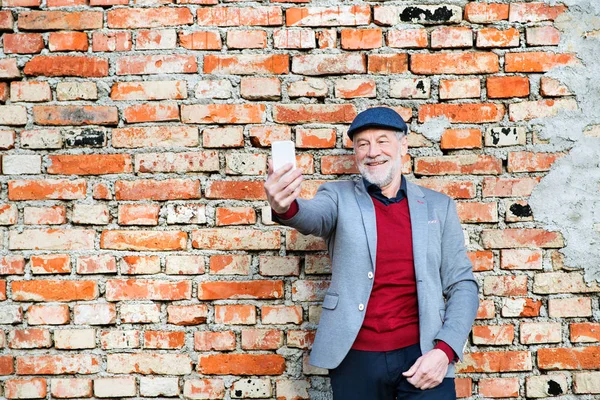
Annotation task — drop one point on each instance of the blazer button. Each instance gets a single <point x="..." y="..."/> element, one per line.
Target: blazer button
<point x="370" y="275"/>
<point x="361" y="307"/>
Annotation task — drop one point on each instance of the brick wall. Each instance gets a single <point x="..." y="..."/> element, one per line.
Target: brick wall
<point x="138" y="258"/>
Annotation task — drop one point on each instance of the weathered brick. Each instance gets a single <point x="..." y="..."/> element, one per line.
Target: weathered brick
<point x="534" y="12"/>
<point x="89" y="164"/>
<point x="168" y="189"/>
<point x="328" y="16"/>
<point x="485" y="13"/>
<point x="58" y="364"/>
<point x="361" y="39"/>
<point x="260" y="88"/>
<point x="204" y="389"/>
<point x="292" y="389"/>
<point x="258" y="289"/>
<point x="151" y="112"/>
<point x="499" y="387"/>
<point x="461" y="139"/>
<point x="263" y="136"/>
<point x="159" y="386"/>
<point x="156" y="64"/>
<point x="329" y="64"/>
<point x="219" y="341"/>
<point x="355" y="88"/>
<point x="537" y="61"/>
<point x="96" y="264"/>
<point x="184" y="265"/>
<point x="149" y="90"/>
<point x="460" y="88"/>
<point x="327" y="38"/>
<point x="451" y="37"/>
<point x="454" y="63"/>
<point x="156" y="39"/>
<point x="553" y="88"/>
<point x="65" y="388"/>
<point x="521" y="307"/>
<point x="55" y="215"/>
<point x="586" y="382"/>
<point x="524" y="161"/>
<point x="387" y="63"/>
<point x="474" y="212"/>
<point x="407" y="38"/>
<point x="164" y="339"/>
<point x="521" y="259"/>
<point x="247" y="39"/>
<point x="584" y="332"/>
<point x="497" y="361"/>
<point x="307" y="113"/>
<point x="187" y="315"/>
<point x="111" y="41"/>
<point x="8" y="214"/>
<point x="186" y="214"/>
<point x="68" y="41"/>
<point x="279" y="265"/>
<point x="463" y="113"/>
<point x="132" y="18"/>
<point x="246" y="64"/>
<point x="278" y="314"/>
<point x="235" y="216"/>
<point x="493" y="37"/>
<point x="513" y="285"/>
<point x="6" y="20"/>
<point x="143" y="240"/>
<point x="147" y="289"/>
<point x="60" y="20"/>
<point x="34" y="338"/>
<point x="309" y="290"/>
<point x="239" y="190"/>
<point x="571" y="307"/>
<point x="34" y="388"/>
<point x="13" y="115"/>
<point x="230" y="264"/>
<point x="508" y="187"/>
<point x="75" y="115"/>
<point x="421" y="14"/>
<point x="515" y="238"/>
<point x="482" y="260"/>
<point x="80" y="66"/>
<point x="454" y="189"/>
<point x="54" y="290"/>
<point x="139" y="265"/>
<point x="48" y="314"/>
<point x="461" y="164"/>
<point x="251" y="388"/>
<point x="239" y="16"/>
<point x="7" y="139"/>
<point x="528" y="110"/>
<point x="542" y="36"/>
<point x="149" y="363"/>
<point x="261" y="339"/>
<point x="294" y="39"/>
<point x="51" y="239"/>
<point x="540" y="332"/>
<point x="546" y="385"/>
<point x="223" y="113"/>
<point x="235" y="314"/>
<point x="74" y="339"/>
<point x="21" y="164"/>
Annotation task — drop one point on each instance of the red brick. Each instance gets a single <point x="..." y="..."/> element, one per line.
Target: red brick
<point x="30" y="91"/>
<point x="156" y="39"/>
<point x="280" y="265"/>
<point x="537" y="61"/>
<point x="23" y="43"/>
<point x="387" y="63"/>
<point x="139" y="265"/>
<point x="155" y="136"/>
<point x="361" y="39"/>
<point x="6" y="365"/>
<point x="48" y="189"/>
<point x="260" y="88"/>
<point x="328" y="16"/>
<point x="279" y="314"/>
<point x="6" y="20"/>
<point x="461" y="164"/>
<point x="9" y="68"/>
<point x="260" y="289"/>
<point x="540" y="332"/>
<point x="584" y="332"/>
<point x="329" y="64"/>
<point x="570" y="307"/>
<point x="230" y="264"/>
<point x="508" y="187"/>
<point x="319" y="138"/>
<point x="51" y="239"/>
<point x="143" y="240"/>
<point x="51" y="264"/>
<point x="60" y="20"/>
<point x="164" y="339"/>
<point x="451" y="37"/>
<point x="239" y="16"/>
<point x="200" y="40"/>
<point x="491" y="335"/>
<point x="239" y="190"/>
<point x="111" y="41"/>
<point x="263" y="136"/>
<point x="99" y="264"/>
<point x="35" y="388"/>
<point x="342" y="164"/>
<point x="513" y="285"/>
<point x="168" y="189"/>
<point x="235" y="216"/>
<point x="7" y="138"/>
<point x="247" y="39"/>
<point x="454" y="189"/>
<point x="319" y="113"/>
<point x="3" y="291"/>
<point x="241" y="364"/>
<point x="407" y="38"/>
<point x="327" y="38"/>
<point x="132" y="18"/>
<point x="149" y="90"/>
<point x="461" y="139"/>
<point x="147" y="289"/>
<point x="89" y="164"/>
<point x="520" y="259"/>
<point x="485" y="13"/>
<point x="101" y="191"/>
<point x="464" y="386"/>
<point x="151" y="112"/>
<point x="515" y="238"/>
<point x="296" y="241"/>
<point x="235" y="314"/>
<point x="542" y="36"/>
<point x="551" y="87"/>
<point x="54" y="290"/>
<point x="525" y="161"/>
<point x="80" y="66"/>
<point x="219" y="341"/>
<point x="534" y="12"/>
<point x="499" y="387"/>
<point x="568" y="358"/>
<point x="463" y="113"/>
<point x="482" y="260"/>
<point x="156" y="64"/>
<point x="502" y="87"/>
<point x="246" y="64"/>
<point x="300" y="339"/>
<point x="235" y="239"/>
<point x="498" y="361"/>
<point x="492" y="37"/>
<point x="223" y="113"/>
<point x="71" y="388"/>
<point x="261" y="339"/>
<point x="68" y="41"/>
<point x="454" y="63"/>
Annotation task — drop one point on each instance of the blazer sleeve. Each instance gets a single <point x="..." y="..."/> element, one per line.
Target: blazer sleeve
<point x="460" y="288"/>
<point x="317" y="216"/>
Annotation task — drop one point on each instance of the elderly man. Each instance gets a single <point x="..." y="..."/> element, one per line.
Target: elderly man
<point x="402" y="298"/>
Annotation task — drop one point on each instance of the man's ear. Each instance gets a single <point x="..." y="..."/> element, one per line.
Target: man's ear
<point x="404" y="144"/>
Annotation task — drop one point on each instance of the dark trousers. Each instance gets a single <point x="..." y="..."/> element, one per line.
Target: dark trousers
<point x="374" y="375"/>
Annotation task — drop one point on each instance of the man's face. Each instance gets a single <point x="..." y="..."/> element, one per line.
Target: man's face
<point x="379" y="154"/>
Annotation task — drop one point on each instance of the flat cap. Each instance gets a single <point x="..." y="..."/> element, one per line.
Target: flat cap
<point x="377" y="117"/>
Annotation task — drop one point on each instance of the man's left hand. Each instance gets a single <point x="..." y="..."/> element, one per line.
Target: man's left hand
<point x="429" y="370"/>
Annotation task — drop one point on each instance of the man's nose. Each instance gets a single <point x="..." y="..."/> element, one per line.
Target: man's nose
<point x="374" y="150"/>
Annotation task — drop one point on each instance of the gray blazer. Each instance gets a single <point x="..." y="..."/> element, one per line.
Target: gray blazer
<point x="343" y="214"/>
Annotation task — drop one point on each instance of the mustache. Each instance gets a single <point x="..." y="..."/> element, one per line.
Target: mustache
<point x="377" y="159"/>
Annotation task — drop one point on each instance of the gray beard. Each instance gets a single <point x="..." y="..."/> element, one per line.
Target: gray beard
<point x="378" y="180"/>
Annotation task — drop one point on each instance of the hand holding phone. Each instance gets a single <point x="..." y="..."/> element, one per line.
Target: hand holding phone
<point x="282" y="190"/>
<point x="283" y="152"/>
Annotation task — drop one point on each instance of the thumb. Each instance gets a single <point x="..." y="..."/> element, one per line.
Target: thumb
<point x="413" y="369"/>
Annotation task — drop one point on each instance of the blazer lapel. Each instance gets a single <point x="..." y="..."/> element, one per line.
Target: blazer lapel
<point x="417" y="205"/>
<point x="367" y="210"/>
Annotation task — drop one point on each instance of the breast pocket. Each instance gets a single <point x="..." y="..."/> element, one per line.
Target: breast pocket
<point x="330" y="301"/>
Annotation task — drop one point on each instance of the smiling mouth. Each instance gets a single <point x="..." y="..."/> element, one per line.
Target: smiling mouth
<point x="375" y="164"/>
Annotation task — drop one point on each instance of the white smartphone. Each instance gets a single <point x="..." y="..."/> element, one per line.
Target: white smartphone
<point x="283" y="152"/>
